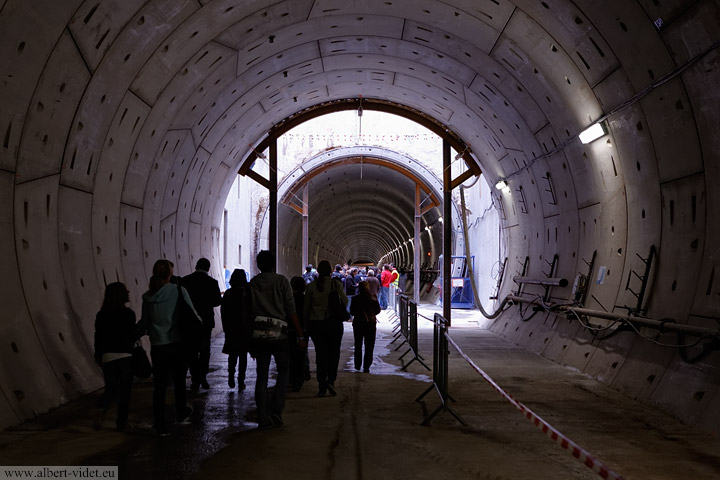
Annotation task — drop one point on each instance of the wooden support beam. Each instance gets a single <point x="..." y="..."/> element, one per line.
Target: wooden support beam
<point x="272" y="206"/>
<point x="417" y="247"/>
<point x="447" y="232"/>
<point x="427" y="208"/>
<point x="258" y="178"/>
<point x="305" y="227"/>
<point x="462" y="177"/>
<point x="295" y="207"/>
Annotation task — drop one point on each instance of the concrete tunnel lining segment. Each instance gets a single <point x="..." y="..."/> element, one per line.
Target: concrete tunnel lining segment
<point x="123" y="126"/>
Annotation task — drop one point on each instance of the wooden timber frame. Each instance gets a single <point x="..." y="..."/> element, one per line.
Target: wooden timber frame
<point x="450" y="140"/>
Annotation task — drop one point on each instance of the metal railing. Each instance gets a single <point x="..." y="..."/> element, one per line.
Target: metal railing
<point x="408" y="319"/>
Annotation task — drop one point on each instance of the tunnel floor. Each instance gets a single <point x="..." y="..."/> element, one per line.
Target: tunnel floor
<point x="372" y="428"/>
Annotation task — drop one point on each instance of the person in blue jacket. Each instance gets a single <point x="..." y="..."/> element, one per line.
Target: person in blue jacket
<point x="168" y="352"/>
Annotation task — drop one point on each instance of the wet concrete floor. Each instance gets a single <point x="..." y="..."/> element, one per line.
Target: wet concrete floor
<point x="373" y="428"/>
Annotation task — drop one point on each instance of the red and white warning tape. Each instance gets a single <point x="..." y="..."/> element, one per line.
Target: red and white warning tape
<point x="571" y="447"/>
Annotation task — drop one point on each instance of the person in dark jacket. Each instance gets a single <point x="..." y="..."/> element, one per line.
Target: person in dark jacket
<point x="326" y="332"/>
<point x="115" y="336"/>
<point x="299" y="363"/>
<point x="235" y="316"/>
<point x="205" y="294"/>
<point x="364" y="309"/>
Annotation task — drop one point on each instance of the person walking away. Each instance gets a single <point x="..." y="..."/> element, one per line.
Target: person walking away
<point x="168" y="352"/>
<point x="373" y="282"/>
<point x="205" y="294"/>
<point x="299" y="364"/>
<point x="364" y="309"/>
<point x="235" y="317"/>
<point x="272" y="306"/>
<point x="385" y="279"/>
<point x="115" y="336"/>
<point x="339" y="274"/>
<point x="351" y="286"/>
<point x="394" y="282"/>
<point x="325" y="332"/>
<point x="310" y="274"/>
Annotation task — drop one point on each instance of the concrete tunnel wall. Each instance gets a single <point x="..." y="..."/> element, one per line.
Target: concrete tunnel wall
<point x="123" y="124"/>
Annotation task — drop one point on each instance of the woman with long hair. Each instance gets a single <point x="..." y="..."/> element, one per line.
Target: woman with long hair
<point x="115" y="336"/>
<point x="326" y="332"/>
<point x="169" y="353"/>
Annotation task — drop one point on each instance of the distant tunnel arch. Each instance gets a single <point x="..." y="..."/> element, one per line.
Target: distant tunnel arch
<point x="352" y="175"/>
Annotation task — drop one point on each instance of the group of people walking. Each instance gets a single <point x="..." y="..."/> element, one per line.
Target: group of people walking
<point x="267" y="317"/>
<point x="116" y="334"/>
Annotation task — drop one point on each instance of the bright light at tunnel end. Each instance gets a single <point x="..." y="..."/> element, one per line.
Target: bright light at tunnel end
<point x="595" y="131"/>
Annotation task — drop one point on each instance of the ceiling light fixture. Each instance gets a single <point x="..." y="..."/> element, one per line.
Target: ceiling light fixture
<point x="595" y="131"/>
<point x="501" y="184"/>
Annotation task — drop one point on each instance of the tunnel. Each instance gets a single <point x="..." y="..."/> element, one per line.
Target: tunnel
<point x="125" y="124"/>
<point x="352" y="226"/>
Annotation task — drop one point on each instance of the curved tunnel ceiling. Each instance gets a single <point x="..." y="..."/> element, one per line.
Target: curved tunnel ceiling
<point x="361" y="207"/>
<point x="123" y="125"/>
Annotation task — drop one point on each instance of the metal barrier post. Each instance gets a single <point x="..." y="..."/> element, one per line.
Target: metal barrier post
<point x="440" y="372"/>
<point x="413" y="336"/>
<point x="403" y="321"/>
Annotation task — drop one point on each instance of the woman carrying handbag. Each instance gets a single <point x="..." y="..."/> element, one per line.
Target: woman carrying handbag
<point x="325" y="312"/>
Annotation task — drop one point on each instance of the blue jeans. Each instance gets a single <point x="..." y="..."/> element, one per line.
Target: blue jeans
<point x="265" y="403"/>
<point x="383" y="300"/>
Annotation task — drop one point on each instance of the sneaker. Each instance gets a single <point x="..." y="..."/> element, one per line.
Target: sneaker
<point x="331" y="390"/>
<point x="184" y="419"/>
<point x="231" y="381"/>
<point x="366" y="370"/>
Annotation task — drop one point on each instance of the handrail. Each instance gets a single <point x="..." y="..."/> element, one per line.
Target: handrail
<point x="665" y="325"/>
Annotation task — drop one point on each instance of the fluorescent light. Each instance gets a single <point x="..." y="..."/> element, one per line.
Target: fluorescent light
<point x="595" y="131"/>
<point x="501" y="184"/>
